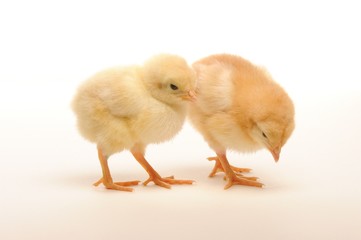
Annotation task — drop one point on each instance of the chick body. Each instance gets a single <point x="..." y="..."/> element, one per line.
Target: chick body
<point x="130" y="107"/>
<point x="115" y="110"/>
<point x="240" y="107"/>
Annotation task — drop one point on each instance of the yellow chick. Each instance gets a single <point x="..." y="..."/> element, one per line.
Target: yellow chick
<point x="239" y="107"/>
<point x="127" y="108"/>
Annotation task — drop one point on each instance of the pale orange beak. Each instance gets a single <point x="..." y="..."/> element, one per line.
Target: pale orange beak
<point x="191" y="96"/>
<point x="276" y="153"/>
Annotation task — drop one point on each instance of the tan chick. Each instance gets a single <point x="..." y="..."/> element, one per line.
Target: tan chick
<point x="239" y="107"/>
<point x="127" y="108"/>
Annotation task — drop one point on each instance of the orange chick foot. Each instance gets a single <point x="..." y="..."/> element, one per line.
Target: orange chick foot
<point x="165" y="182"/>
<point x="237" y="180"/>
<point x="120" y="186"/>
<point x="218" y="168"/>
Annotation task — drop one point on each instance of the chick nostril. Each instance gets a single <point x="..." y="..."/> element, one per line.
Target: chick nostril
<point x="192" y="94"/>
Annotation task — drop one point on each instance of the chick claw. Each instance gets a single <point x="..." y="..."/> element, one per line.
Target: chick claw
<point x="218" y="168"/>
<point x="120" y="186"/>
<point x="165" y="182"/>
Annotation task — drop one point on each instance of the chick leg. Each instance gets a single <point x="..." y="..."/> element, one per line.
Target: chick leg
<point x="218" y="168"/>
<point x="232" y="178"/>
<point x="107" y="178"/>
<point x="153" y="175"/>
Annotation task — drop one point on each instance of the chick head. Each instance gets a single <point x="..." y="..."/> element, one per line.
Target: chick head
<point x="169" y="79"/>
<point x="270" y="117"/>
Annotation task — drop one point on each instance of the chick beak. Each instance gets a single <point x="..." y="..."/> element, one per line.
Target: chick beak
<point x="276" y="153"/>
<point x="191" y="96"/>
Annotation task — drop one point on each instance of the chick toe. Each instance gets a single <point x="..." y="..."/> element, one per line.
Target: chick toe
<point x="171" y="180"/>
<point x="235" y="180"/>
<point x="153" y="175"/>
<point x="114" y="186"/>
<point x="128" y="183"/>
<point x="121" y="186"/>
<point x="240" y="175"/>
<point x="157" y="181"/>
<point x="166" y="182"/>
<point x="125" y="184"/>
<point x="218" y="168"/>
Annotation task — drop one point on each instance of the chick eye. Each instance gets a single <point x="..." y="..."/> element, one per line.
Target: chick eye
<point x="173" y="87"/>
<point x="264" y="135"/>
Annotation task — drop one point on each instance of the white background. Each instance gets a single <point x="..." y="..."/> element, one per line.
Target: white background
<point x="47" y="48"/>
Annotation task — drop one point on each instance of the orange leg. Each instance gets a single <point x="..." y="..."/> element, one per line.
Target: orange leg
<point x="153" y="175"/>
<point x="232" y="177"/>
<point x="107" y="178"/>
